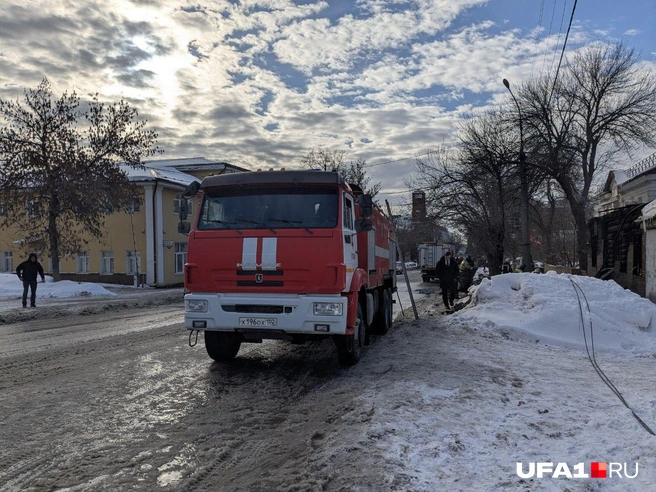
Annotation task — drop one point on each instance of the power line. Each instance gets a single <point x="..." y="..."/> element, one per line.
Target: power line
<point x="562" y="53"/>
<point x="535" y="48"/>
<point x="560" y="30"/>
<point x="544" y="58"/>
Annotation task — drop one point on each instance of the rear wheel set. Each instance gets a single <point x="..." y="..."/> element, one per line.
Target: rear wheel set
<point x="384" y="315"/>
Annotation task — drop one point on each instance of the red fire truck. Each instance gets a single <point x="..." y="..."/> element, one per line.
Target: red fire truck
<point x="287" y="255"/>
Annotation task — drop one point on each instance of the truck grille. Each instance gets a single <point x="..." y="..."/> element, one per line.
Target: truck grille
<point x="255" y="308"/>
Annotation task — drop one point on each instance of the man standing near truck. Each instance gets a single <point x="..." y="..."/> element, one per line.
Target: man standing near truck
<point x="447" y="272"/>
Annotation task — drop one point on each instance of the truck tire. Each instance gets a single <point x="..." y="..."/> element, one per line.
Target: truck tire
<point x="349" y="347"/>
<point x="425" y="278"/>
<point x="222" y="346"/>
<point x="384" y="315"/>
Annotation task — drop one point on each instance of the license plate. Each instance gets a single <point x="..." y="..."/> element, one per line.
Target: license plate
<point x="257" y="322"/>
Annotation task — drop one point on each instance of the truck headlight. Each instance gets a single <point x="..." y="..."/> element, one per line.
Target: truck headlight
<point x="196" y="305"/>
<point x="327" y="309"/>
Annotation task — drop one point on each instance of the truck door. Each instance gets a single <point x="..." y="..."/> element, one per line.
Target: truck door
<point x="350" y="239"/>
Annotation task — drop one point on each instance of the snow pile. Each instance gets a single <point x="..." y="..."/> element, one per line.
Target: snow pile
<point x="11" y="286"/>
<point x="545" y="309"/>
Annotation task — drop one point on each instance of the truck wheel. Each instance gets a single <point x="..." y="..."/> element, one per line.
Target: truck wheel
<point x="425" y="278"/>
<point x="222" y="346"/>
<point x="349" y="347"/>
<point x="384" y="314"/>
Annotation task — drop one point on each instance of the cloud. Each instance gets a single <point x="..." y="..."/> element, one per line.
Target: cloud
<point x="261" y="82"/>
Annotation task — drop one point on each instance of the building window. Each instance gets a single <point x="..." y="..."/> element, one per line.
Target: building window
<point x="106" y="262"/>
<point x="133" y="208"/>
<point x="82" y="262"/>
<point x="32" y="209"/>
<point x="106" y="206"/>
<point x="180" y="257"/>
<point x="176" y="205"/>
<point x="8" y="261"/>
<point x="132" y="262"/>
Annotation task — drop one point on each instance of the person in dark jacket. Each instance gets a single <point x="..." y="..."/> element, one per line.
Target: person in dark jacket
<point x="28" y="272"/>
<point x="447" y="272"/>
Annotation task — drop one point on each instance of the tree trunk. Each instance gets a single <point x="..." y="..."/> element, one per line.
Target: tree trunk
<point x="496" y="255"/>
<point x="581" y="235"/>
<point x="53" y="236"/>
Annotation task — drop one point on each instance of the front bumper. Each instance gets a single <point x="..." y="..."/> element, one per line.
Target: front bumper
<point x="293" y="314"/>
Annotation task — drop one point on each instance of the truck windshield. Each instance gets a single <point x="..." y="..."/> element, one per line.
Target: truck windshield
<point x="282" y="207"/>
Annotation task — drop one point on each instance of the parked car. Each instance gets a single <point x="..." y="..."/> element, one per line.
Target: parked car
<point x="399" y="267"/>
<point x="410" y="264"/>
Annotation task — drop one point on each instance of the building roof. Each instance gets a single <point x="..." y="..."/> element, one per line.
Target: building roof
<point x="648" y="164"/>
<point x="193" y="164"/>
<point x="620" y="176"/>
<point x="170" y="175"/>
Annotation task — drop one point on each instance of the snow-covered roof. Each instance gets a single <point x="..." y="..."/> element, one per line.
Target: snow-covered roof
<point x="192" y="163"/>
<point x="645" y="165"/>
<point x="621" y="176"/>
<point x="170" y="175"/>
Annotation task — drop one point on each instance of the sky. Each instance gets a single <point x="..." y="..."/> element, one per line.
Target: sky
<point x="259" y="83"/>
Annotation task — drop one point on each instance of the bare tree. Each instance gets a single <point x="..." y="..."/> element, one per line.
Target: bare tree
<point x="555" y="223"/>
<point x="604" y="105"/>
<point x="476" y="189"/>
<point x="356" y="173"/>
<point x="67" y="175"/>
<point x="333" y="160"/>
<point x="324" y="159"/>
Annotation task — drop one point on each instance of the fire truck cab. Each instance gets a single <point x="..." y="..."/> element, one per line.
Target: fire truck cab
<point x="287" y="255"/>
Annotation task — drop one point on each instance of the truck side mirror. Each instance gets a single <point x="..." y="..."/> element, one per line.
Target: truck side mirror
<point x="191" y="190"/>
<point x="183" y="212"/>
<point x="184" y="227"/>
<point x="362" y="225"/>
<point x="366" y="205"/>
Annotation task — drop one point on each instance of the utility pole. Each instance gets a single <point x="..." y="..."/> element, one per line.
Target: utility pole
<point x="527" y="259"/>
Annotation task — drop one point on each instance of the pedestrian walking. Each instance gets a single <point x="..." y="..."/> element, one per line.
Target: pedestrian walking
<point x="28" y="272"/>
<point x="447" y="272"/>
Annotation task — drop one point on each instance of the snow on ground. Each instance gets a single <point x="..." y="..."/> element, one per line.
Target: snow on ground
<point x="12" y="287"/>
<point x="478" y="395"/>
<point x="545" y="309"/>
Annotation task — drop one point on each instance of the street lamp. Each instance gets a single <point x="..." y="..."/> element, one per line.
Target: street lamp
<point x="527" y="259"/>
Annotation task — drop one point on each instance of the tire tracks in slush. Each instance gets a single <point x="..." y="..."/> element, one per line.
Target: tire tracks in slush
<point x="142" y="411"/>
